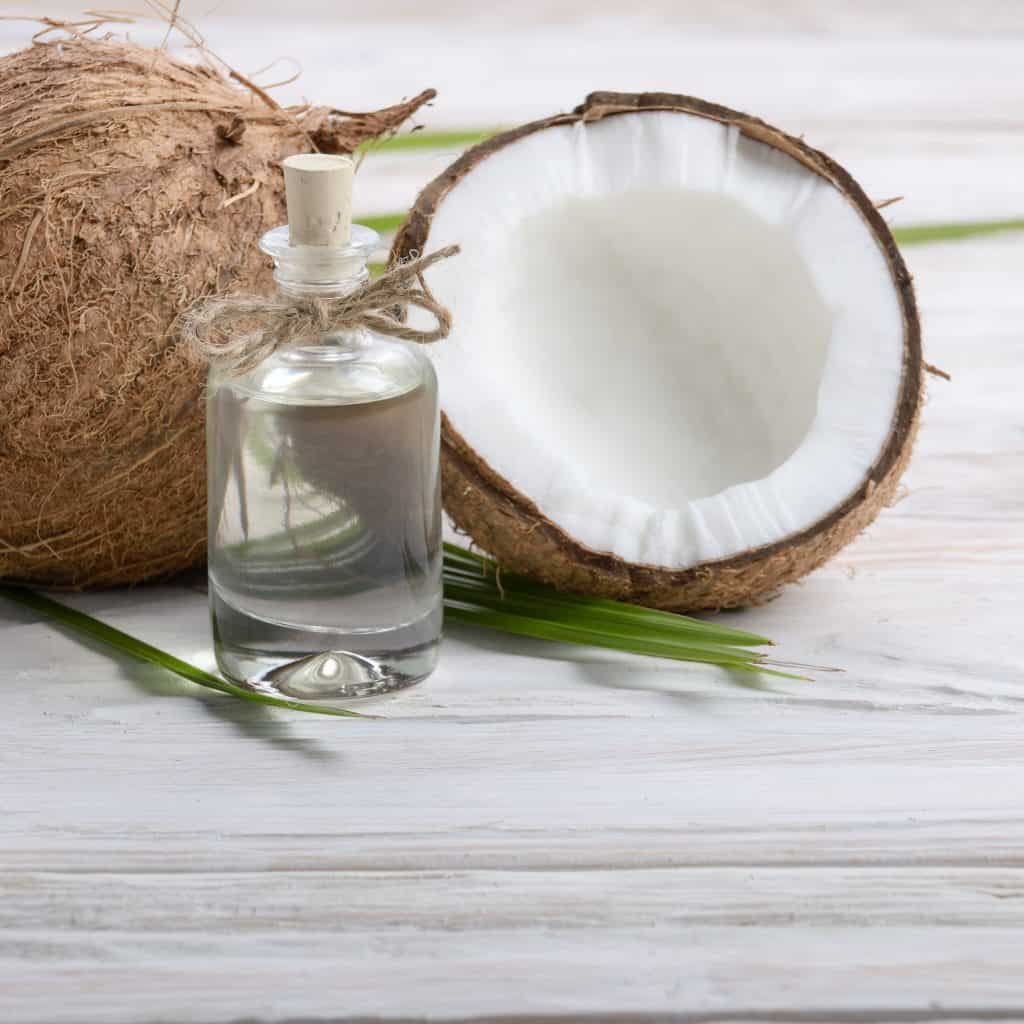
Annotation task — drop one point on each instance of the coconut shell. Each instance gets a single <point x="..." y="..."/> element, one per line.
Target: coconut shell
<point x="507" y="524"/>
<point x="130" y="185"/>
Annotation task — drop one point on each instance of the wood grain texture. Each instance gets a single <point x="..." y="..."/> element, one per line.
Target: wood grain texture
<point x="556" y="834"/>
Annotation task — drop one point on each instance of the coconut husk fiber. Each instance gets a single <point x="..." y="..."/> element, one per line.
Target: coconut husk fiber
<point x="131" y="184"/>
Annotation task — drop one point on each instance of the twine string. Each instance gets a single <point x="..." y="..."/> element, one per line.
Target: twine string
<point x="234" y="333"/>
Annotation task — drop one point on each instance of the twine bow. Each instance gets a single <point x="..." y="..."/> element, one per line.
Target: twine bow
<point x="211" y="327"/>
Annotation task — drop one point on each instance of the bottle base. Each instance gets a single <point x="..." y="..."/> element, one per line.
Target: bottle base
<point x="321" y="666"/>
<point x="329" y="677"/>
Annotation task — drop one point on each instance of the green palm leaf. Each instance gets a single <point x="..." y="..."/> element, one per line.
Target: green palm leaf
<point x="478" y="595"/>
<point x="78" y="621"/>
<point x="921" y="234"/>
<point x="475" y="593"/>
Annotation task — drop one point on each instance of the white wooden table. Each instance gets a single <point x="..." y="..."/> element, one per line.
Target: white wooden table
<point x="555" y="833"/>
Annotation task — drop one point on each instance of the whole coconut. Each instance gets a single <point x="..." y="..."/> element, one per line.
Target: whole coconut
<point x="130" y="185"/>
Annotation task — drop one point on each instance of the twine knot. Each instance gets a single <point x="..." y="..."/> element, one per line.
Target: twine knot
<point x="235" y="333"/>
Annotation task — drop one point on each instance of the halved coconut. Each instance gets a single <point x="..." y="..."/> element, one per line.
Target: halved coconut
<point x="685" y="366"/>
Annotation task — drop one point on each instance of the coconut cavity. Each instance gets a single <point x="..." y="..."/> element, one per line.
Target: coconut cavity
<point x="693" y="366"/>
<point x="678" y="366"/>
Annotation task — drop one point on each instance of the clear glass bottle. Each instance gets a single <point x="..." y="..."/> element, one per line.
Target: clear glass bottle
<point x="324" y="502"/>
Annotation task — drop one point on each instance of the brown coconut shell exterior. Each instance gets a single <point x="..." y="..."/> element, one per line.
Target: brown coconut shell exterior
<point x="507" y="524"/>
<point x="130" y="185"/>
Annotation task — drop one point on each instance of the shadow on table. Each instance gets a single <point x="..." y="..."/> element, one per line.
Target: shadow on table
<point x="12" y="614"/>
<point x="249" y="720"/>
<point x="616" y="670"/>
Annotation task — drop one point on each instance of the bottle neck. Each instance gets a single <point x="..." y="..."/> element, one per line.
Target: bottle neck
<point x="317" y="271"/>
<point x="334" y="289"/>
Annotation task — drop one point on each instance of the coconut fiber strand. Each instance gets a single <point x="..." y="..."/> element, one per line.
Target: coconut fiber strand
<point x="130" y="185"/>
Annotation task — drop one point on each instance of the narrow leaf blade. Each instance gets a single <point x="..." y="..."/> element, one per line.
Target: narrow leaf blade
<point x="466" y="567"/>
<point x="921" y="234"/>
<point x="540" y="630"/>
<point x="139" y="649"/>
<point x="430" y="140"/>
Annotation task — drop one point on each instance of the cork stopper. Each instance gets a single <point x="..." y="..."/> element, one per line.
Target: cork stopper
<point x="318" y="190"/>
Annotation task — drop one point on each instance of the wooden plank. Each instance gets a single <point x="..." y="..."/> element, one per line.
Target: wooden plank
<point x="888" y="106"/>
<point x="530" y="974"/>
<point x="299" y="900"/>
<point x="116" y="947"/>
<point x="820" y="18"/>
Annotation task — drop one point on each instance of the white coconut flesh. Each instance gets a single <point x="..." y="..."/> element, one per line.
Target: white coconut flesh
<point x="678" y="342"/>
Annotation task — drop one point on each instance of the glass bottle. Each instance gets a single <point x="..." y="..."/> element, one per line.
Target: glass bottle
<point x="324" y="500"/>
